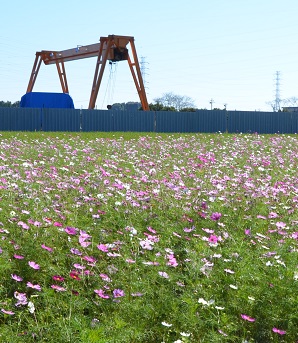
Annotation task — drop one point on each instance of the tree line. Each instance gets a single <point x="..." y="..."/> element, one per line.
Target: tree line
<point x="9" y="104"/>
<point x="167" y="102"/>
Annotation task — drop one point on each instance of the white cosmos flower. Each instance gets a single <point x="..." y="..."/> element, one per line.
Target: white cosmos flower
<point x="185" y="334"/>
<point x="31" y="307"/>
<point x="233" y="287"/>
<point x="166" y="324"/>
<point x="204" y="302"/>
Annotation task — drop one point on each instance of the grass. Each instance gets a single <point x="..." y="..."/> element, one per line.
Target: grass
<point x="130" y="237"/>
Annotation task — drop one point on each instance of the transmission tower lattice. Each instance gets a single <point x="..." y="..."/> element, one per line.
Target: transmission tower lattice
<point x="143" y="67"/>
<point x="277" y="92"/>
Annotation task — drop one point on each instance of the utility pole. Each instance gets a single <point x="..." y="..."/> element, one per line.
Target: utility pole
<point x="211" y="103"/>
<point x="277" y="92"/>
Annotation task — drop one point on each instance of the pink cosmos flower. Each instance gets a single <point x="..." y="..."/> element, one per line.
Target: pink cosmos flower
<point x="21" y="297"/>
<point x="105" y="277"/>
<point x="83" y="242"/>
<point x="102" y="247"/>
<point x="89" y="259"/>
<point x="295" y="235"/>
<point x="23" y="225"/>
<point x="164" y="274"/>
<point x="272" y="215"/>
<point x="33" y="265"/>
<point x="101" y="293"/>
<point x="153" y="238"/>
<point x="75" y="251"/>
<point x="146" y="244"/>
<point x="172" y="260"/>
<point x="84" y="235"/>
<point x="150" y="229"/>
<point x="207" y="230"/>
<point x="176" y="234"/>
<point x="30" y="285"/>
<point x="7" y="312"/>
<point x="79" y="266"/>
<point x="248" y="318"/>
<point x="46" y="248"/>
<point x="58" y="288"/>
<point x="117" y="293"/>
<point x="280" y="225"/>
<point x="186" y="229"/>
<point x="280" y="332"/>
<point x="16" y="277"/>
<point x="18" y="257"/>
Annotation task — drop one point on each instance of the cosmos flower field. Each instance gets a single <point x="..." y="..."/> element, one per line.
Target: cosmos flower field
<point x="148" y="238"/>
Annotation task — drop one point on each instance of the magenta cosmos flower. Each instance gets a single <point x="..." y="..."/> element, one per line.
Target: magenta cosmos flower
<point x="213" y="239"/>
<point x="47" y="248"/>
<point x="280" y="332"/>
<point x="18" y="257"/>
<point x="74" y="275"/>
<point x="71" y="230"/>
<point x="248" y="318"/>
<point x="58" y="278"/>
<point x="215" y="216"/>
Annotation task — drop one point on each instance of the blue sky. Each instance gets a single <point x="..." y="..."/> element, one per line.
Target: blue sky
<point x="225" y="50"/>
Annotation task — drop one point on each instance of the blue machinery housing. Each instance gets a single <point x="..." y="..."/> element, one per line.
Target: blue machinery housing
<point x="46" y="100"/>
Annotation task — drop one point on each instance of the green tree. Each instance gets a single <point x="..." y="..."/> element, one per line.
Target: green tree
<point x="160" y="107"/>
<point x="188" y="109"/>
<point x="9" y="104"/>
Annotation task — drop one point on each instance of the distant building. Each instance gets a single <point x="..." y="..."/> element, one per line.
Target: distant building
<point x="290" y="109"/>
